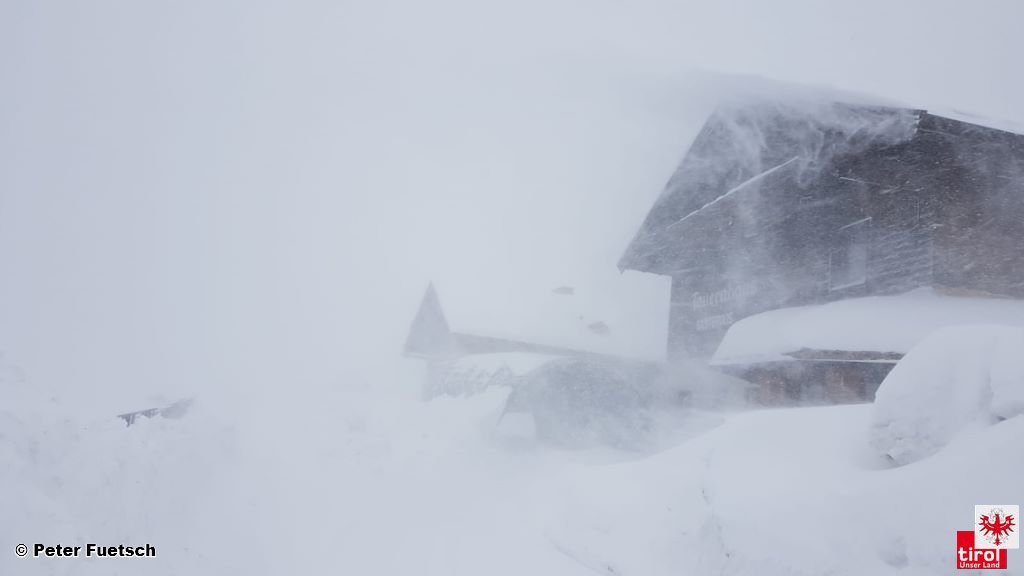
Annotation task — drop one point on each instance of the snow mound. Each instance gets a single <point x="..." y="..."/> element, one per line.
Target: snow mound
<point x="956" y="379"/>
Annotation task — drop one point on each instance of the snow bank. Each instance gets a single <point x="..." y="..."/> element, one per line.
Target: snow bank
<point x="956" y="379"/>
<point x="791" y="492"/>
<point x="385" y="484"/>
<point x="73" y="480"/>
<point x="876" y="324"/>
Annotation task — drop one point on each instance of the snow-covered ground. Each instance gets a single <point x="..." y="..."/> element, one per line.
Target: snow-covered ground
<point x="236" y="199"/>
<point x="394" y="485"/>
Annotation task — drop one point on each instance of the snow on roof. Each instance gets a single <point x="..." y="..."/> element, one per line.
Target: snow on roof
<point x="620" y="314"/>
<point x="882" y="324"/>
<point x="979" y="120"/>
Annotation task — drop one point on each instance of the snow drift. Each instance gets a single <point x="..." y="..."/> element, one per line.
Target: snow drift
<point x="72" y="480"/>
<point x="956" y="379"/>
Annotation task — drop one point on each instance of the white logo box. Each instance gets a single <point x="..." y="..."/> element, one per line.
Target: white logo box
<point x="1009" y="538"/>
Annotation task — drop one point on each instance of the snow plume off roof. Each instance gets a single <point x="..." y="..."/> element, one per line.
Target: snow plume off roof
<point x="748" y="137"/>
<point x="882" y="324"/>
<point x="622" y="315"/>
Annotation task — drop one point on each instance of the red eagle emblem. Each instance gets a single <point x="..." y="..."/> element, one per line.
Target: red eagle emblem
<point x="997" y="526"/>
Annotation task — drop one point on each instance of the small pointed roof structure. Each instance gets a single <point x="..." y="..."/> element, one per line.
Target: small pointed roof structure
<point x="429" y="336"/>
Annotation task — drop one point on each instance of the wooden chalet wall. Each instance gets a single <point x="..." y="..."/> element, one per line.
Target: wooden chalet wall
<point x="979" y="233"/>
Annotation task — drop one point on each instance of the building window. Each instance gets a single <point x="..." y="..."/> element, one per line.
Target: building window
<point x="848" y="261"/>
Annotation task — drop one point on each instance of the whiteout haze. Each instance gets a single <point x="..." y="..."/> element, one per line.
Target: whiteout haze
<point x="242" y="202"/>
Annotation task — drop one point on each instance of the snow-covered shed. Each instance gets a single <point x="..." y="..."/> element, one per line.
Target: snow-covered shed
<point x="800" y="199"/>
<point x="491" y="329"/>
<point x="627" y="320"/>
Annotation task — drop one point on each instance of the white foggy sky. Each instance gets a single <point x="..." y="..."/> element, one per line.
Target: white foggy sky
<point x="194" y="194"/>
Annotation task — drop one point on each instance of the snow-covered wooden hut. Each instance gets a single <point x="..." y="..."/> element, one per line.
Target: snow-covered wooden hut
<point x="788" y="202"/>
<point x="486" y="333"/>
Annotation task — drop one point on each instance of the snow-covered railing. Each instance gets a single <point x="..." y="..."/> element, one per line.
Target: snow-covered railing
<point x="175" y="410"/>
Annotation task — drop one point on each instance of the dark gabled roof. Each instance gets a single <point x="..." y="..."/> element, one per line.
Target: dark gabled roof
<point x="750" y="148"/>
